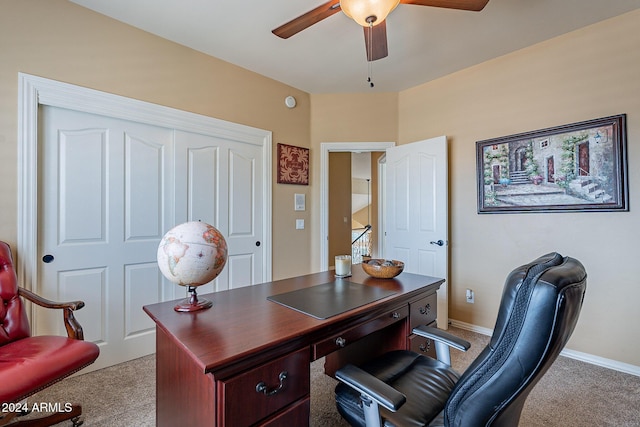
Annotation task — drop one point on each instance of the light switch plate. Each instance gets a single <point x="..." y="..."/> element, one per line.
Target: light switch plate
<point x="299" y="224"/>
<point x="299" y="202"/>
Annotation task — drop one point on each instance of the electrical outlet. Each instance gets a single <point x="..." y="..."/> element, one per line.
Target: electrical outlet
<point x="470" y="296"/>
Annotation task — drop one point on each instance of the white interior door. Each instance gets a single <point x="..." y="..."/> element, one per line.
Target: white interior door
<point x="104" y="205"/>
<point x="416" y="211"/>
<point x="221" y="186"/>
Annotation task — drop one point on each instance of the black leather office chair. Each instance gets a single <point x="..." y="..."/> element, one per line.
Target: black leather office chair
<point x="540" y="305"/>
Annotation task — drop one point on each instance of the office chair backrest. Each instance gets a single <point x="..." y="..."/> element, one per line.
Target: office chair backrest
<point x="540" y="305"/>
<point x="14" y="324"/>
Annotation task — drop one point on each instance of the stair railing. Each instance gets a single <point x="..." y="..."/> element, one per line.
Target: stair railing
<point x="361" y="245"/>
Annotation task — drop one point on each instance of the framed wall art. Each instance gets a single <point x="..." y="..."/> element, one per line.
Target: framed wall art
<point x="293" y="165"/>
<point x="576" y="167"/>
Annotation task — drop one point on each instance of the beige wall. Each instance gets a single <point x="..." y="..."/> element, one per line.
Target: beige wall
<point x="587" y="74"/>
<point x="360" y="218"/>
<point x="61" y="41"/>
<point x="339" y="205"/>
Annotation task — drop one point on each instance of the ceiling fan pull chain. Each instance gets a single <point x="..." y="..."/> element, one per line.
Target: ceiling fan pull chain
<point x="370" y="55"/>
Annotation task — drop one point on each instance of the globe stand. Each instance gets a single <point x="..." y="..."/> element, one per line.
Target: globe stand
<point x="192" y="303"/>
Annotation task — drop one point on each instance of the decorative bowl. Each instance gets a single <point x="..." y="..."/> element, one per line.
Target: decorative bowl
<point x="383" y="268"/>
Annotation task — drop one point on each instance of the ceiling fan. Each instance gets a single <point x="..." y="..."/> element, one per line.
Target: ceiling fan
<point x="371" y="14"/>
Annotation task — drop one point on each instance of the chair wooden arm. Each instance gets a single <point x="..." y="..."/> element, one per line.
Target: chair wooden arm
<point x="74" y="329"/>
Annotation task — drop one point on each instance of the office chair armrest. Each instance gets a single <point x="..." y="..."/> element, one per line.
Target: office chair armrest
<point x="371" y="387"/>
<point x="443" y="340"/>
<point x="442" y="336"/>
<point x="74" y="329"/>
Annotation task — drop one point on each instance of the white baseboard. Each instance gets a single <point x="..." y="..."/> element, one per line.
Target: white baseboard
<point x="470" y="327"/>
<point x="572" y="354"/>
<point x="627" y="368"/>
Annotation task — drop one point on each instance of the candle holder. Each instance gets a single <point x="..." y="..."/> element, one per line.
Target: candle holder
<point x="343" y="265"/>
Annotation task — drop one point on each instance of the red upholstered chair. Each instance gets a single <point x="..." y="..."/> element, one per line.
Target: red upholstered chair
<point x="28" y="363"/>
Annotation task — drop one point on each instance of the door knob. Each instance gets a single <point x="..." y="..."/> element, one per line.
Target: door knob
<point x="47" y="258"/>
<point x="439" y="243"/>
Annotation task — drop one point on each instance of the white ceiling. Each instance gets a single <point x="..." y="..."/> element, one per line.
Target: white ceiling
<point x="329" y="57"/>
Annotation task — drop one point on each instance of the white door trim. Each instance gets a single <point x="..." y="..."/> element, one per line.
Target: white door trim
<point x="325" y="148"/>
<point x="382" y="202"/>
<point x="34" y="91"/>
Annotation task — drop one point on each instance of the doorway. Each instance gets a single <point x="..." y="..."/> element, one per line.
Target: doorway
<point x="551" y="170"/>
<point x="325" y="149"/>
<point x="583" y="159"/>
<point x="353" y="205"/>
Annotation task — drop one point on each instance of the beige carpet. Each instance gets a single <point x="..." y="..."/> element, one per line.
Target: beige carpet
<point x="571" y="394"/>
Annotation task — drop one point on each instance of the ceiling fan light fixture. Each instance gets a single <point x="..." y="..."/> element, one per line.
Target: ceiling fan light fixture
<point x="368" y="12"/>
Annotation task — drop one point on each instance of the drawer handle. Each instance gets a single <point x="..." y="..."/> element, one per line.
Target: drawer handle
<point x="395" y="315"/>
<point x="426" y="309"/>
<point x="341" y="342"/>
<point x="261" y="387"/>
<point x="425" y="348"/>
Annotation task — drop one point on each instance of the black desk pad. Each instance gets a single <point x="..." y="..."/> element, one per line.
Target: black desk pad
<point x="330" y="299"/>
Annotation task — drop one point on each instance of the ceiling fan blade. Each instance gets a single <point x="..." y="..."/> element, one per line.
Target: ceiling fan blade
<point x="472" y="5"/>
<point x="375" y="39"/>
<point x="308" y="19"/>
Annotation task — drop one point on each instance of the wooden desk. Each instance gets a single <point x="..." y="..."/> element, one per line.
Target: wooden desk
<point x="209" y="363"/>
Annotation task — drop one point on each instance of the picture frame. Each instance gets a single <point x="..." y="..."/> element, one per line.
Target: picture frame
<point x="576" y="167"/>
<point x="293" y="165"/>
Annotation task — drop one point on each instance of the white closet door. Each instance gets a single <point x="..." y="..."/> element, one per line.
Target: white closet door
<point x="104" y="204"/>
<point x="110" y="189"/>
<point x="222" y="186"/>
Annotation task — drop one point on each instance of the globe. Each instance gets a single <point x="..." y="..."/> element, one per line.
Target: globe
<point x="192" y="254"/>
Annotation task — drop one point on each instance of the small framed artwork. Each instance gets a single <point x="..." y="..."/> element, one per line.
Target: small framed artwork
<point x="576" y="167"/>
<point x="293" y="165"/>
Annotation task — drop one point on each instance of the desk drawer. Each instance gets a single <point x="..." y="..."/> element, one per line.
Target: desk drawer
<point x="255" y="394"/>
<point x="423" y="345"/>
<point x="347" y="336"/>
<point x="423" y="311"/>
<point x="297" y="415"/>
